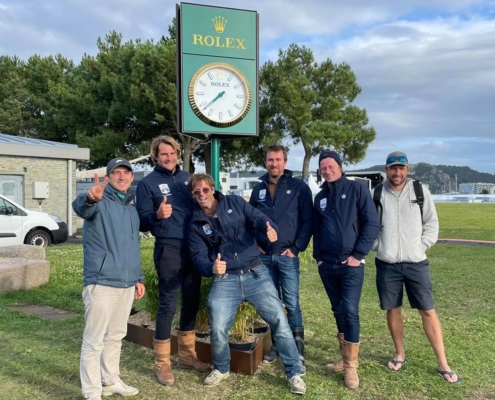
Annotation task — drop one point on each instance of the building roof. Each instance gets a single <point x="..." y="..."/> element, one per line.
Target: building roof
<point x="34" y="142"/>
<point x="29" y="147"/>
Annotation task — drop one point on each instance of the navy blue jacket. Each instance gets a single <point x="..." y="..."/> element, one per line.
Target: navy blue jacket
<point x="235" y="242"/>
<point x="291" y="209"/>
<point x="149" y="195"/>
<point x="112" y="256"/>
<point x="345" y="221"/>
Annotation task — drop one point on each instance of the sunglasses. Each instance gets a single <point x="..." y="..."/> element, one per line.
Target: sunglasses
<point x="390" y="160"/>
<point x="205" y="190"/>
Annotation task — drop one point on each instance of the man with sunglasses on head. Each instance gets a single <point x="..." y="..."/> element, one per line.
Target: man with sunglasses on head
<point x="165" y="208"/>
<point x="289" y="203"/>
<point x="409" y="227"/>
<point x="223" y="248"/>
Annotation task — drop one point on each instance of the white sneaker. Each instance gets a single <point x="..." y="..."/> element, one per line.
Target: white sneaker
<point x="215" y="378"/>
<point x="119" y="387"/>
<point x="93" y="398"/>
<point x="297" y="385"/>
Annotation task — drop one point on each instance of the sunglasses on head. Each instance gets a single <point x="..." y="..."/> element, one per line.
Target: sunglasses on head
<point x="205" y="190"/>
<point x="390" y="160"/>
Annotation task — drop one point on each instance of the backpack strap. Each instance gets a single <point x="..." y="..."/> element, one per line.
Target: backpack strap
<point x="377" y="195"/>
<point x="420" y="198"/>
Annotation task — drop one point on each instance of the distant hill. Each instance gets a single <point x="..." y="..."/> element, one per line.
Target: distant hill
<point x="438" y="176"/>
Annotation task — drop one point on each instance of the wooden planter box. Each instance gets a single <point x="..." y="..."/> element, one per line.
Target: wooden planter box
<point x="245" y="362"/>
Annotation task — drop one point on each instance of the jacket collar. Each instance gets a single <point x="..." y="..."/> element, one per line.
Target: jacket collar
<point x="266" y="178"/>
<point x="334" y="186"/>
<point x="116" y="195"/>
<point x="164" y="171"/>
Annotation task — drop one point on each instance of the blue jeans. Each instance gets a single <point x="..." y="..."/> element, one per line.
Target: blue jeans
<point x="226" y="294"/>
<point x="284" y="271"/>
<point x="344" y="285"/>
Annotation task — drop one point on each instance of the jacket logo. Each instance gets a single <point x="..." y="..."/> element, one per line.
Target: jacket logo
<point x="344" y="196"/>
<point x="262" y="194"/>
<point x="229" y="211"/>
<point x="186" y="182"/>
<point x="164" y="189"/>
<point x="207" y="229"/>
<point x="323" y="204"/>
<point x="288" y="191"/>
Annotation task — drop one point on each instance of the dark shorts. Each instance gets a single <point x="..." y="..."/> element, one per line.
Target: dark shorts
<point x="391" y="279"/>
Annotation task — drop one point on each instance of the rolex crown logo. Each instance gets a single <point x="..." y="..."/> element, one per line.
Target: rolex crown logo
<point x="219" y="24"/>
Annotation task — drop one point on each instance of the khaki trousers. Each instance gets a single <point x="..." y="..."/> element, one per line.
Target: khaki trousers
<point x="106" y="312"/>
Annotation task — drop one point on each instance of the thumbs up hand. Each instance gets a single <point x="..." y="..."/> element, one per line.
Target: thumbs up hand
<point x="271" y="234"/>
<point x="220" y="266"/>
<point x="165" y="210"/>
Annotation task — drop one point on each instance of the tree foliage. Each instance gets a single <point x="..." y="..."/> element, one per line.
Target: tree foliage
<point x="311" y="103"/>
<point x="117" y="101"/>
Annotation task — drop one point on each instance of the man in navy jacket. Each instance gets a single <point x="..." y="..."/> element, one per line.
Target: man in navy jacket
<point x="165" y="208"/>
<point x="345" y="228"/>
<point x="112" y="278"/>
<point x="223" y="247"/>
<point x="289" y="203"/>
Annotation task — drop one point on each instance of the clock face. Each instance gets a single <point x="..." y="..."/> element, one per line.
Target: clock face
<point x="220" y="94"/>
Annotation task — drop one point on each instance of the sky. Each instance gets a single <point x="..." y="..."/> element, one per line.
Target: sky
<point x="426" y="67"/>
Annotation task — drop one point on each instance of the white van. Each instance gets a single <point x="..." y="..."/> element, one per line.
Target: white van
<point x="19" y="225"/>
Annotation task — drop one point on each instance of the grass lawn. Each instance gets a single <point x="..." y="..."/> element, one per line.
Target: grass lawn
<point x="40" y="359"/>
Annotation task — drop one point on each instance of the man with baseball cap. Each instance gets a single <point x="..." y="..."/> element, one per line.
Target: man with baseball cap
<point x="345" y="227"/>
<point x="112" y="278"/>
<point x="409" y="228"/>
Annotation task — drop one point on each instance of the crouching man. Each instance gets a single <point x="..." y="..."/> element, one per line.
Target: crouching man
<point x="222" y="248"/>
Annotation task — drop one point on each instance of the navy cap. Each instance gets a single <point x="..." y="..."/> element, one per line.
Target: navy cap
<point x="117" y="162"/>
<point x="330" y="154"/>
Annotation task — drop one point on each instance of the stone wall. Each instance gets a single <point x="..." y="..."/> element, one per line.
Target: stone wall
<point x="53" y="171"/>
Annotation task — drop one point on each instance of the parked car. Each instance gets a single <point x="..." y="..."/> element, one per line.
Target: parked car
<point x="19" y="225"/>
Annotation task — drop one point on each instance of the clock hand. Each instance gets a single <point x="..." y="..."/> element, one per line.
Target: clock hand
<point x="215" y="99"/>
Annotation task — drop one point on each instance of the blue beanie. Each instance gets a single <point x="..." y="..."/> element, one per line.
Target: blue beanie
<point x="330" y="154"/>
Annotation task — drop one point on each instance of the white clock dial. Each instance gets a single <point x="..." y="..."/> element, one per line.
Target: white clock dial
<point x="220" y="94"/>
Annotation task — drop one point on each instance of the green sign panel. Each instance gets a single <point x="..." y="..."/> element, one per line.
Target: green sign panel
<point x="217" y="71"/>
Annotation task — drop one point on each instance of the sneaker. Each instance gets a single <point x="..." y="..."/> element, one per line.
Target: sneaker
<point x="297" y="385"/>
<point x="215" y="378"/>
<point x="271" y="356"/>
<point x="93" y="398"/>
<point x="120" y="388"/>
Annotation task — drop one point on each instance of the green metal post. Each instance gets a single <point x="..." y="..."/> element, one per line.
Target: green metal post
<point x="215" y="161"/>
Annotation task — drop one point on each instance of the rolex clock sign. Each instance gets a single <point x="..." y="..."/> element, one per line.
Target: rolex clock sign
<point x="217" y="76"/>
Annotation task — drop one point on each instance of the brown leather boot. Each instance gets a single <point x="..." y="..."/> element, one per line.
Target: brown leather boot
<point x="187" y="352"/>
<point x="351" y="351"/>
<point x="337" y="366"/>
<point x="163" y="371"/>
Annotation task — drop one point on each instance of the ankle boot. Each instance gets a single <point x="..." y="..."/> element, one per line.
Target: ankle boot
<point x="351" y="351"/>
<point x="339" y="365"/>
<point x="163" y="371"/>
<point x="187" y="352"/>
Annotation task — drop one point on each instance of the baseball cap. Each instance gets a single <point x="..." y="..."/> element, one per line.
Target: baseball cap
<point x="117" y="162"/>
<point x="396" y="158"/>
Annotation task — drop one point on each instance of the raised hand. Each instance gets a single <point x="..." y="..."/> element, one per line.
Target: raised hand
<point x="220" y="266"/>
<point x="95" y="194"/>
<point x="271" y="234"/>
<point x="165" y="210"/>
